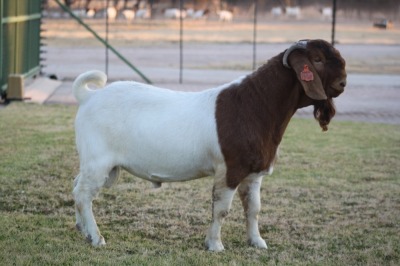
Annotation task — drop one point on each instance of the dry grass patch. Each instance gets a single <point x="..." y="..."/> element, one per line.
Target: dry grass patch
<point x="333" y="199"/>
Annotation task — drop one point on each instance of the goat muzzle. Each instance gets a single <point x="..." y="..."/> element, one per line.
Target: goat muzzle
<point x="337" y="88"/>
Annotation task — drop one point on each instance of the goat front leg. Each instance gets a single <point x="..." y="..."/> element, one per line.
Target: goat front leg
<point x="249" y="192"/>
<point x="222" y="199"/>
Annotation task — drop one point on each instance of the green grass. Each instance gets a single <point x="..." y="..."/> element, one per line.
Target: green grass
<point x="332" y="200"/>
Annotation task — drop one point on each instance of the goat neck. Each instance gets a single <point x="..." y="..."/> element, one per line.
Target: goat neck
<point x="279" y="87"/>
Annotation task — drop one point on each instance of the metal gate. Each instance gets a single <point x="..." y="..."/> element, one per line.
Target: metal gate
<point x="19" y="39"/>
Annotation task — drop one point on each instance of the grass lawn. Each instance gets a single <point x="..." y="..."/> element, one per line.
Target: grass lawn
<point x="334" y="199"/>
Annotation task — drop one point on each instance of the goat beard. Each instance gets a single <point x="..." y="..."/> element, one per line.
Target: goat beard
<point x="324" y="111"/>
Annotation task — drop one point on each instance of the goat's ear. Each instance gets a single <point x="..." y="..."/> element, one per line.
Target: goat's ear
<point x="307" y="75"/>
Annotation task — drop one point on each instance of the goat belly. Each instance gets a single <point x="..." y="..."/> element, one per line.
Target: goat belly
<point x="171" y="175"/>
<point x="156" y="134"/>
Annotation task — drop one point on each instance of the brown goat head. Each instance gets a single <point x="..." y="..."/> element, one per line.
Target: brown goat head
<point x="321" y="71"/>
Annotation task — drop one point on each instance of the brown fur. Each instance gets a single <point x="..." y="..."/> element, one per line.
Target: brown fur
<point x="253" y="115"/>
<point x="324" y="111"/>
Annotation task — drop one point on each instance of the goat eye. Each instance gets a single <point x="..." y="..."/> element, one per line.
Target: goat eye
<point x="317" y="59"/>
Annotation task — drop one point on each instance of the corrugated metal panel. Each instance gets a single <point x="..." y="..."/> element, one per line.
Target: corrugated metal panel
<point x="19" y="39"/>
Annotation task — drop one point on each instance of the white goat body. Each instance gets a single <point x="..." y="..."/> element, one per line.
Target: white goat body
<point x="129" y="15"/>
<point x="157" y="134"/>
<point x="112" y="13"/>
<point x="276" y="11"/>
<point x="174" y="13"/>
<point x="326" y="13"/>
<point x="225" y="15"/>
<point x="144" y="13"/>
<point x="197" y="14"/>
<point x="294" y="12"/>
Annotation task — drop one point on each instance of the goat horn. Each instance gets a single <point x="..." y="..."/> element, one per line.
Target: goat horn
<point x="302" y="44"/>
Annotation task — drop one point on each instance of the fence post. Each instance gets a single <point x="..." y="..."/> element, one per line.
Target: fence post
<point x="180" y="42"/>
<point x="1" y="47"/>
<point x="255" y="36"/>
<point x="107" y="20"/>
<point x="333" y="21"/>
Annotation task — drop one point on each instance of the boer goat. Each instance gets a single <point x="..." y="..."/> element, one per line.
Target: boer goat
<point x="231" y="132"/>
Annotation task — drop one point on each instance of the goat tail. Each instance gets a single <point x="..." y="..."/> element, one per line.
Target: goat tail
<point x="80" y="87"/>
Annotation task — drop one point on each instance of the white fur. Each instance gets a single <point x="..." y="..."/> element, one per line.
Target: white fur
<point x="249" y="191"/>
<point x="294" y="12"/>
<point x="276" y="11"/>
<point x="174" y="13"/>
<point x="222" y="200"/>
<point x="326" y="13"/>
<point x="159" y="135"/>
<point x="225" y="15"/>
<point x="143" y="13"/>
<point x="196" y="14"/>
<point x="112" y="13"/>
<point x="91" y="13"/>
<point x="129" y="15"/>
<point x="156" y="134"/>
<point x="80" y="87"/>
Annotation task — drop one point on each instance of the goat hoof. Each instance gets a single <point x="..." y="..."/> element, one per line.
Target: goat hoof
<point x="100" y="242"/>
<point x="214" y="246"/>
<point x="258" y="243"/>
<point x="96" y="242"/>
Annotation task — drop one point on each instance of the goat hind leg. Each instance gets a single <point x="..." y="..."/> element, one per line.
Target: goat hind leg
<point x="86" y="223"/>
<point x="249" y="192"/>
<point x="78" y="216"/>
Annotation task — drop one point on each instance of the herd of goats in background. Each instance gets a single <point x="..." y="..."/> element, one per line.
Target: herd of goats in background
<point x="141" y="9"/>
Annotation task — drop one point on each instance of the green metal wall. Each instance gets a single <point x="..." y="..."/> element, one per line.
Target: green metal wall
<point x="19" y="39"/>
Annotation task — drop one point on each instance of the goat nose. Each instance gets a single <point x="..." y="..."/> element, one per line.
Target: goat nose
<point x="343" y="83"/>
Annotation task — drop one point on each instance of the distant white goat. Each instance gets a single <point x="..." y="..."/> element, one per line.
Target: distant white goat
<point x="294" y="12"/>
<point x="174" y="13"/>
<point x="90" y="13"/>
<point x="144" y="13"/>
<point x="190" y="12"/>
<point x="197" y="14"/>
<point x="276" y="11"/>
<point x="112" y="13"/>
<point x="225" y="15"/>
<point x="326" y="13"/>
<point x="79" y="12"/>
<point x="129" y="15"/>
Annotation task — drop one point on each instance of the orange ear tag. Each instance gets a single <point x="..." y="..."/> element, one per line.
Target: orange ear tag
<point x="306" y="74"/>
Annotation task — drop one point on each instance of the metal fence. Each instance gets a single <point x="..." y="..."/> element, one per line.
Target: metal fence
<point x="19" y="39"/>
